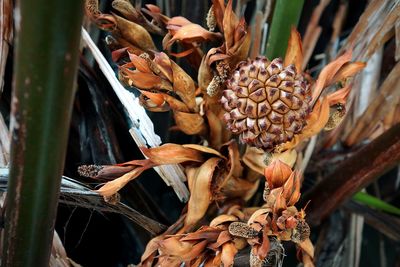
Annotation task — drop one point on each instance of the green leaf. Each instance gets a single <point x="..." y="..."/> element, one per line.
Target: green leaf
<point x="286" y="14"/>
<point x="376" y="203"/>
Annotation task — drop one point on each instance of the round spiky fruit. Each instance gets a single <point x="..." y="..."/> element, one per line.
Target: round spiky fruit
<point x="266" y="103"/>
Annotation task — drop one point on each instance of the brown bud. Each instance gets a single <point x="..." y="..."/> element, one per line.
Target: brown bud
<point x="277" y="173"/>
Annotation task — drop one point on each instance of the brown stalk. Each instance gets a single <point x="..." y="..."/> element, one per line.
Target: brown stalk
<point x="378" y="108"/>
<point x="6" y="36"/>
<point x="397" y="30"/>
<point x="386" y="224"/>
<point x="338" y="21"/>
<point x="313" y="31"/>
<point x="352" y="175"/>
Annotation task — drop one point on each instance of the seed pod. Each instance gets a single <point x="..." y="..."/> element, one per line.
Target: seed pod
<point x="301" y="232"/>
<point x="336" y="116"/>
<point x="266" y="103"/>
<point x="242" y="229"/>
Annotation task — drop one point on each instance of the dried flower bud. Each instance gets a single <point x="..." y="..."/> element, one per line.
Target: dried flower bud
<point x="277" y="173"/>
<point x="242" y="229"/>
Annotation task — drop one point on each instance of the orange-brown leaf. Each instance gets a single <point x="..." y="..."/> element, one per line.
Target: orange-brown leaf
<point x="164" y="65"/>
<point x="157" y="99"/>
<point x="171" y="154"/>
<point x="294" y="51"/>
<point x="184" y="86"/>
<point x="339" y="96"/>
<point x="204" y="149"/>
<point x="200" y="181"/>
<point x="191" y="33"/>
<point x="190" y="123"/>
<point x="228" y="253"/>
<point x="139" y="63"/>
<point x="222" y="219"/>
<point x="146" y="80"/>
<point x="328" y="72"/>
<point x="348" y="70"/>
<point x="307" y="247"/>
<point x="263" y="250"/>
<point x="112" y="187"/>
<point x="134" y="33"/>
<point x="230" y="22"/>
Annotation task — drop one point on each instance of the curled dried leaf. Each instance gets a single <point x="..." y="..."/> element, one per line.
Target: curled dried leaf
<point x="348" y="70"/>
<point x="184" y="86"/>
<point x="171" y="154"/>
<point x="112" y="187"/>
<point x="228" y="253"/>
<point x="191" y="33"/>
<point x="145" y="80"/>
<point x="294" y="51"/>
<point x="223" y="219"/>
<point x="190" y="123"/>
<point x="140" y="63"/>
<point x="325" y="78"/>
<point x="339" y="96"/>
<point x="134" y="33"/>
<point x="204" y="149"/>
<point x="200" y="183"/>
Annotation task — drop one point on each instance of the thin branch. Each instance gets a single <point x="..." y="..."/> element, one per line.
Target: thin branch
<point x="352" y="175"/>
<point x="79" y="195"/>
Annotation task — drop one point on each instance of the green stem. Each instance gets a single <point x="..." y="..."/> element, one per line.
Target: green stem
<point x="286" y="14"/>
<point x="376" y="203"/>
<point x="46" y="61"/>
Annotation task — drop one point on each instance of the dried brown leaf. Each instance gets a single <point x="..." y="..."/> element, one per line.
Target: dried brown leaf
<point x="134" y="33"/>
<point x="184" y="86"/>
<point x="228" y="254"/>
<point x="200" y="182"/>
<point x="190" y="123"/>
<point x="171" y="154"/>
<point x="294" y="51"/>
<point x="191" y="33"/>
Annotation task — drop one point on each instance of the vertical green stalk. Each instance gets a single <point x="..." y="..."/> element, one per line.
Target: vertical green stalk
<point x="286" y="14"/>
<point x="46" y="61"/>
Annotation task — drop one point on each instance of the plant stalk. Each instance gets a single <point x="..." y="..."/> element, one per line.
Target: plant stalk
<point x="46" y="61"/>
<point x="286" y="14"/>
<point x="357" y="172"/>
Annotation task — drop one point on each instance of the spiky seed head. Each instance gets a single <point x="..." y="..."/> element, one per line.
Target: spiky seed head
<point x="266" y="103"/>
<point x="89" y="170"/>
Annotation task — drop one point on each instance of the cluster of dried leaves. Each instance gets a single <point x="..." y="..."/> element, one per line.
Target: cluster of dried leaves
<point x="216" y="223"/>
